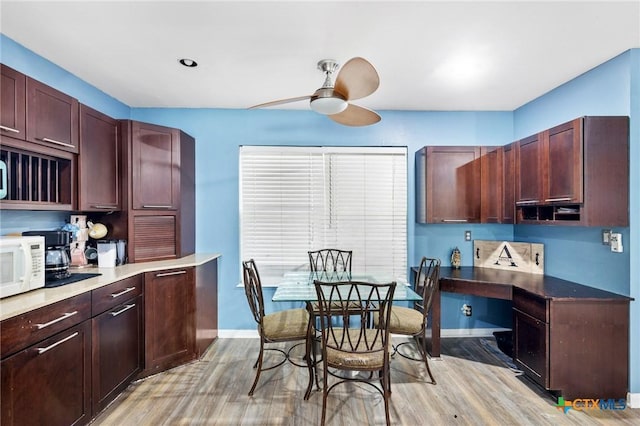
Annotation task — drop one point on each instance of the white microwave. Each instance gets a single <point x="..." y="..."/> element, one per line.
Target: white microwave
<point x="21" y="264"/>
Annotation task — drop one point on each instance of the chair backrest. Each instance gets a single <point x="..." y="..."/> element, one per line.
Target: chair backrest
<point x="427" y="281"/>
<point x="357" y="306"/>
<point x="253" y="289"/>
<point x="330" y="260"/>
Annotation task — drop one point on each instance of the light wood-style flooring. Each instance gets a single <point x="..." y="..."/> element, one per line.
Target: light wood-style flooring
<point x="474" y="388"/>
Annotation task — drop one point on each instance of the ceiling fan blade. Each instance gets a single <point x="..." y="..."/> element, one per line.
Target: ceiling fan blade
<point x="356" y="116"/>
<point x="357" y="79"/>
<point x="280" y="102"/>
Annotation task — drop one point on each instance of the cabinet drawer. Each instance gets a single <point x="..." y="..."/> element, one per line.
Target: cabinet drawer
<point x="530" y="304"/>
<point x="26" y="329"/>
<point x="115" y="294"/>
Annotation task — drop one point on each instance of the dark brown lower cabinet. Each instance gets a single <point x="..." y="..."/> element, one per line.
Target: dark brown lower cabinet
<point x="576" y="348"/>
<point x="49" y="383"/>
<point x="169" y="315"/>
<point x="117" y="351"/>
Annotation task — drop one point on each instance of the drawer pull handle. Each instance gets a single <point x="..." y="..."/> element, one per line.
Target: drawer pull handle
<point x="126" y="308"/>
<point x="62" y="318"/>
<point x="126" y="290"/>
<point x="521" y="203"/>
<point x="48" y="348"/>
<point x="167" y="274"/>
<point x="68" y="145"/>
<point x="105" y="207"/>
<point x="9" y="129"/>
<point x="156" y="206"/>
<point x="454" y="220"/>
<point x="558" y="199"/>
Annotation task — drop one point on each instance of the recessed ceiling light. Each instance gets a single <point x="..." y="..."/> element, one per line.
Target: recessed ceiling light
<point x="190" y="63"/>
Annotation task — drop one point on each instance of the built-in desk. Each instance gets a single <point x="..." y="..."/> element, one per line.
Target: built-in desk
<point x="570" y="338"/>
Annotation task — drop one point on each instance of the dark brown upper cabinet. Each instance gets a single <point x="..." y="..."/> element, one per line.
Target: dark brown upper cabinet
<point x="491" y="163"/>
<point x="12" y="103"/>
<point x="155" y="166"/>
<point x="52" y="117"/>
<point x="582" y="174"/>
<point x="508" y="183"/>
<point x="448" y="184"/>
<point x="99" y="162"/>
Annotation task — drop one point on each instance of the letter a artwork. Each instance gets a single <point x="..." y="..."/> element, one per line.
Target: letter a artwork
<point x="509" y="255"/>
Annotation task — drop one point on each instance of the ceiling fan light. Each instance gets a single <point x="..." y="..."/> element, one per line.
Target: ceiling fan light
<point x="328" y="106"/>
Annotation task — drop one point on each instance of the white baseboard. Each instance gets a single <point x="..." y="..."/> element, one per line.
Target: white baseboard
<point x="633" y="400"/>
<point x="470" y="332"/>
<point x="453" y="332"/>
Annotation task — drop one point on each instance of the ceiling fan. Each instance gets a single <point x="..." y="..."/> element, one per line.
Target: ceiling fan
<point x="355" y="80"/>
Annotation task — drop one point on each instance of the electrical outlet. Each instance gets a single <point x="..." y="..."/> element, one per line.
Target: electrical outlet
<point x="606" y="237"/>
<point x="616" y="242"/>
<point x="466" y="310"/>
<point x="467" y="235"/>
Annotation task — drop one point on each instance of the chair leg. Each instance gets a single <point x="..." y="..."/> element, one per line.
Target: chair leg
<point x="311" y="359"/>
<point x="258" y="364"/>
<point x="425" y="356"/>
<point x="386" y="393"/>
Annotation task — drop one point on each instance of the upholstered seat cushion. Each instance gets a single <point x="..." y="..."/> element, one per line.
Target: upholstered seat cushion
<point x="285" y="325"/>
<point x="406" y="321"/>
<point x="360" y="357"/>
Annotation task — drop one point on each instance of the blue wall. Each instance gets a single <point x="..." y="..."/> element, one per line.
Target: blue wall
<point x="573" y="253"/>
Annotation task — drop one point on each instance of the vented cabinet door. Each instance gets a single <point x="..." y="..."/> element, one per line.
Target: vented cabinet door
<point x="154" y="237"/>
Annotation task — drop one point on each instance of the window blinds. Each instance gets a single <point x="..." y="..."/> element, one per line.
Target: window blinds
<point x="296" y="199"/>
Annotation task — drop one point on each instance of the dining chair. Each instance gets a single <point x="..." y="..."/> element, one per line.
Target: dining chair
<point x="355" y="345"/>
<point x="330" y="260"/>
<point x="289" y="325"/>
<point x="413" y="321"/>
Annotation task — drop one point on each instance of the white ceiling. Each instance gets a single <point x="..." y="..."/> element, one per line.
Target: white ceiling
<point x="430" y="55"/>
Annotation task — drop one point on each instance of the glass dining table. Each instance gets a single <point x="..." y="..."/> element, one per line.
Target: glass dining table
<point x="297" y="286"/>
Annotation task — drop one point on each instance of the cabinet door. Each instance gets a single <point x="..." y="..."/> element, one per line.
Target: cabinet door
<point x="99" y="174"/>
<point x="49" y="382"/>
<point x="52" y="117"/>
<point x="563" y="153"/>
<point x="117" y="351"/>
<point x="508" y="183"/>
<point x="155" y="166"/>
<point x="453" y="178"/>
<point x="529" y="169"/>
<point x="530" y="346"/>
<point x="491" y="184"/>
<point x="169" y="319"/>
<point x="12" y="103"/>
<point x="153" y="237"/>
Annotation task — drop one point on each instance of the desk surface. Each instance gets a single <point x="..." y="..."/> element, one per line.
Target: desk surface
<point x="498" y="283"/>
<point x="298" y="286"/>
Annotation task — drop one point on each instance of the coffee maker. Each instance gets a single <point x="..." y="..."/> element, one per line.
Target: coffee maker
<point x="56" y="254"/>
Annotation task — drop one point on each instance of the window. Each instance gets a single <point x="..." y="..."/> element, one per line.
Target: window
<point x="296" y="199"/>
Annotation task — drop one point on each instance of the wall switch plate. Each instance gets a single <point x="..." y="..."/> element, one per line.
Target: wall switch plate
<point x="606" y="237"/>
<point x="467" y="235"/>
<point x="616" y="242"/>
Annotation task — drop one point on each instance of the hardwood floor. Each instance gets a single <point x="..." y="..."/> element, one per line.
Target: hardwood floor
<point x="474" y="388"/>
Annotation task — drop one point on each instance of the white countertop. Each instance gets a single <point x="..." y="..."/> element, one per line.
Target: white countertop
<point x="25" y="302"/>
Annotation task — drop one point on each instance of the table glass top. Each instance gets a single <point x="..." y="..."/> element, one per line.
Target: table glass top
<point x="298" y="286"/>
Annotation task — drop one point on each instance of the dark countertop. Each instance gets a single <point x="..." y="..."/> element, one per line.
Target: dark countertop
<point x="499" y="283"/>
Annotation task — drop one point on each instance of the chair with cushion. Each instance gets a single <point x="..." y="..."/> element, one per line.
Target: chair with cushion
<point x="350" y="341"/>
<point x="413" y="321"/>
<point x="330" y="260"/>
<point x="288" y="325"/>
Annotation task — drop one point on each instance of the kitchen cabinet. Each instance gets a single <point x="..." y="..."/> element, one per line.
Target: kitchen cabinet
<point x="46" y="365"/>
<point x="51" y="117"/>
<point x="117" y="339"/>
<point x="448" y="184"/>
<point x="574" y="347"/>
<point x="491" y="170"/>
<point x="169" y="316"/>
<point x="206" y="305"/>
<point x="12" y="103"/>
<point x="582" y="174"/>
<point x="99" y="162"/>
<point x="508" y="183"/>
